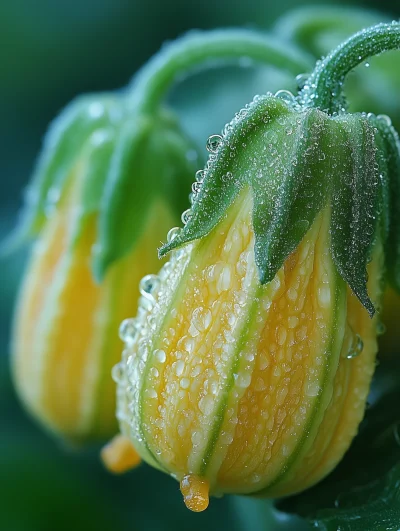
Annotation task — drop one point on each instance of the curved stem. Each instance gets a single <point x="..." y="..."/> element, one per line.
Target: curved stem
<point x="324" y="87"/>
<point x="197" y="48"/>
<point x="307" y="26"/>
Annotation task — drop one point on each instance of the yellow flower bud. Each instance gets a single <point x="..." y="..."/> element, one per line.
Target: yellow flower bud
<point x="254" y="347"/>
<point x="244" y="387"/>
<point x="65" y="337"/>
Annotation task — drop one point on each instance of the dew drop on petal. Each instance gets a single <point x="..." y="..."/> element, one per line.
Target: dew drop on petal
<point x="128" y="330"/>
<point x="148" y="285"/>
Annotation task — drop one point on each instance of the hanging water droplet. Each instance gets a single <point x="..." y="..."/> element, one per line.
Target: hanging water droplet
<point x="286" y="96"/>
<point x="128" y="330"/>
<point x="172" y="234"/>
<point x="200" y="174"/>
<point x="380" y="328"/>
<point x="366" y="65"/>
<point x="213" y="143"/>
<point x="356" y="347"/>
<point x="186" y="216"/>
<point x="148" y="285"/>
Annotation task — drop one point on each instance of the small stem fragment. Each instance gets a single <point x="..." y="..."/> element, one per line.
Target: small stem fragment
<point x="324" y="87"/>
<point x="119" y="455"/>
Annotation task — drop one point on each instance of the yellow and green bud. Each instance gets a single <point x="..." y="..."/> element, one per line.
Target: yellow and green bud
<point x="248" y="366"/>
<point x="107" y="187"/>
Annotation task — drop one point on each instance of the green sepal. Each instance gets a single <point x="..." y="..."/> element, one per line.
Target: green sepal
<point x="149" y="162"/>
<point x="92" y="174"/>
<point x="287" y="201"/>
<point x="391" y="201"/>
<point x="355" y="204"/>
<point x="282" y="156"/>
<point x="227" y="171"/>
<point x="61" y="150"/>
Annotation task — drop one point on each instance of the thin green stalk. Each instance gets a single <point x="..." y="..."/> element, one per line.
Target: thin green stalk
<point x="200" y="48"/>
<point x="324" y="87"/>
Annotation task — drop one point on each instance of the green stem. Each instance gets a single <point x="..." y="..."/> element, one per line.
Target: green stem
<point x="323" y="89"/>
<point x="198" y="48"/>
<point x="314" y="28"/>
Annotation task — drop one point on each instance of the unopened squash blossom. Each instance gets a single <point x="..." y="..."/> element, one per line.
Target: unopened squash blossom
<point x="114" y="174"/>
<point x="65" y="340"/>
<point x="251" y="361"/>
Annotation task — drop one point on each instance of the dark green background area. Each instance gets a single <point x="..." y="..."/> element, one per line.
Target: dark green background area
<point x="52" y="50"/>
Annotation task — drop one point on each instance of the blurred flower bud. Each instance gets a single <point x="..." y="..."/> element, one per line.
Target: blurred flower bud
<point x="106" y="188"/>
<point x="254" y="347"/>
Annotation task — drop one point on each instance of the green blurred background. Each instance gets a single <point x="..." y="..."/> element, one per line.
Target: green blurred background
<point x="52" y="50"/>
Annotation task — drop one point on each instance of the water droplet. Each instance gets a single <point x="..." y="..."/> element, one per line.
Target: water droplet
<point x="196" y="187"/>
<point x="356" y="347"/>
<point x="301" y="80"/>
<point x="186" y="216"/>
<point x="172" y="234"/>
<point x="179" y="367"/>
<point x="200" y="174"/>
<point x="213" y="143"/>
<point x="243" y="380"/>
<point x="148" y="285"/>
<point x="160" y="355"/>
<point x="117" y="373"/>
<point x="380" y="328"/>
<point x="151" y="393"/>
<point x="128" y="330"/>
<point x="206" y="404"/>
<point x="201" y="318"/>
<point x="312" y="388"/>
<point x="367" y="65"/>
<point x="184" y="383"/>
<point x="224" y="280"/>
<point x="286" y="96"/>
<point x="227" y="177"/>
